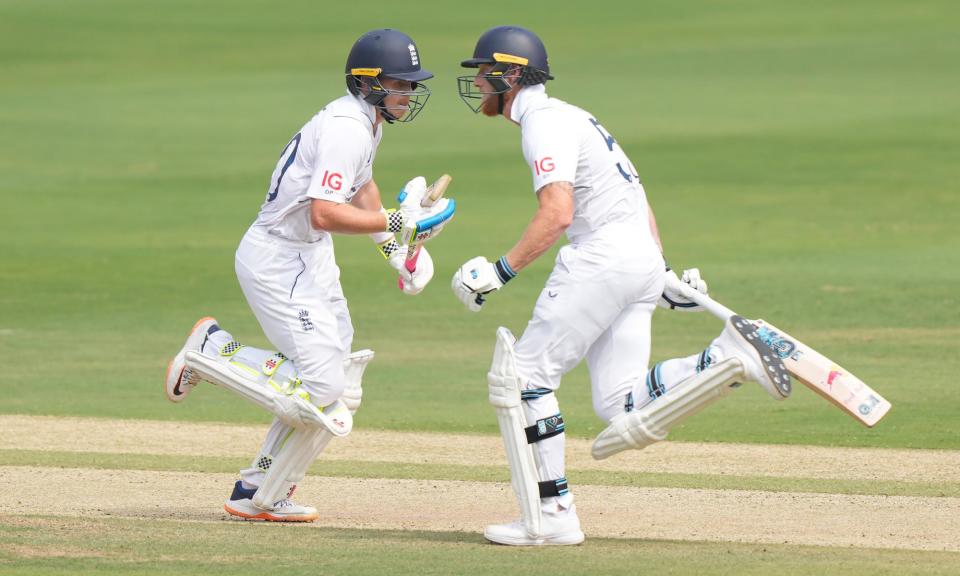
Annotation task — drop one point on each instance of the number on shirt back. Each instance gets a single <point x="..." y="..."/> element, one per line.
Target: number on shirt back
<point x="628" y="175"/>
<point x="295" y="142"/>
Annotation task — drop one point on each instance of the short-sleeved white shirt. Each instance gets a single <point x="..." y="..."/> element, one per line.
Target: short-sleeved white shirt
<point x="330" y="158"/>
<point x="563" y="143"/>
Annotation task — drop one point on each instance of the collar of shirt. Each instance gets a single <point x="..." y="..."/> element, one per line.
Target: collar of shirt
<point x="527" y="99"/>
<point x="365" y="108"/>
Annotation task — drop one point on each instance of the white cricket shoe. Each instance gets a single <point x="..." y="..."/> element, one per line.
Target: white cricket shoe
<point x="760" y="362"/>
<point x="558" y="528"/>
<point x="180" y="378"/>
<point x="241" y="504"/>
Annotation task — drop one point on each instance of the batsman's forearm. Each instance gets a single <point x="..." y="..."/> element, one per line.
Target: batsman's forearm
<point x="345" y="218"/>
<point x="542" y="233"/>
<point x="368" y="197"/>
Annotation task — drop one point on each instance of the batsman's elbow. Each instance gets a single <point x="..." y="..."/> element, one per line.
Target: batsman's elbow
<point x="322" y="215"/>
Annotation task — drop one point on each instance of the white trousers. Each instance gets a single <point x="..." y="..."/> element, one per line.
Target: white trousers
<point x="294" y="291"/>
<point x="597" y="304"/>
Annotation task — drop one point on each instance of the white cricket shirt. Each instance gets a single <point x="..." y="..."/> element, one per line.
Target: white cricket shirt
<point x="330" y="158"/>
<point x="563" y="143"/>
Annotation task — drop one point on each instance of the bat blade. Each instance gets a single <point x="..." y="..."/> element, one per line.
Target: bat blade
<point x="813" y="369"/>
<point x="825" y="377"/>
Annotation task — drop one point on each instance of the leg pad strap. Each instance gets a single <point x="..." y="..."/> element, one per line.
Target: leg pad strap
<point x="550" y="488"/>
<point x="545" y="428"/>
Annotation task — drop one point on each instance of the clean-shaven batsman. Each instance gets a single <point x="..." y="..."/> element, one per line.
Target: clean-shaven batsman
<point x="597" y="302"/>
<point x="322" y="186"/>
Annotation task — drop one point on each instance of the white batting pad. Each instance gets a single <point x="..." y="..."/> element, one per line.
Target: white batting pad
<point x="641" y="428"/>
<point x="353" y="368"/>
<point x="294" y="457"/>
<point x="290" y="465"/>
<point x="504" y="387"/>
<point x="293" y="409"/>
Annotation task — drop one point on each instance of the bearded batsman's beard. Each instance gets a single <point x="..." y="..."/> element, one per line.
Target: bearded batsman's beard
<point x="491" y="105"/>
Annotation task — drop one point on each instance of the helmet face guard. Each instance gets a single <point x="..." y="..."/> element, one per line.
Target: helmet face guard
<point x="499" y="77"/>
<point x="515" y="56"/>
<point x="366" y="82"/>
<point x="507" y="71"/>
<point x="385" y="54"/>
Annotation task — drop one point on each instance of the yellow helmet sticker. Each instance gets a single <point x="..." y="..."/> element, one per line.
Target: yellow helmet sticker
<point x="510" y="59"/>
<point x="365" y="71"/>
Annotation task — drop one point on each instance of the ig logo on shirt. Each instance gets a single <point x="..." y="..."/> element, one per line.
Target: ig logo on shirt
<point x="332" y="180"/>
<point x="543" y="165"/>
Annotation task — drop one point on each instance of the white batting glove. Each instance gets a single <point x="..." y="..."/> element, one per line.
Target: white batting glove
<point x="415" y="282"/>
<point x="671" y="298"/>
<point x="421" y="224"/>
<point x="413" y="192"/>
<point x="479" y="277"/>
<point x="397" y="258"/>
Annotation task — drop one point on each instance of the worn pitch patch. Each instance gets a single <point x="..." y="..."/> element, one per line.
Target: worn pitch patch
<point x="197" y="440"/>
<point x="903" y="522"/>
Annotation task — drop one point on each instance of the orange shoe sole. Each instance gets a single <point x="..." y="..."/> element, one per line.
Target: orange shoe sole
<point x="265" y="515"/>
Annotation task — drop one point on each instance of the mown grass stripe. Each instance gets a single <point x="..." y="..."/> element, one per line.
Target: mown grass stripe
<point x="867" y="521"/>
<point x="68" y="434"/>
<point x="44" y="545"/>
<point x="394" y="470"/>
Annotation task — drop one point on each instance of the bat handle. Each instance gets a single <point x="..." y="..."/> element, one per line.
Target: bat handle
<point x="708" y="303"/>
<point x="410" y="264"/>
<point x="434" y="193"/>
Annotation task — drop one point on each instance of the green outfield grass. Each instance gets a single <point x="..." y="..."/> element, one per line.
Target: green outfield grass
<point x="109" y="546"/>
<point x="802" y="155"/>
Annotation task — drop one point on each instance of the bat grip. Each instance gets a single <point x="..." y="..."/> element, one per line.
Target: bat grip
<point x="708" y="303"/>
<point x="411" y="263"/>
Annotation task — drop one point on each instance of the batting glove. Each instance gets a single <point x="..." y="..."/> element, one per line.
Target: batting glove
<point x="671" y="298"/>
<point x="421" y="224"/>
<point x="414" y="282"/>
<point x="396" y="256"/>
<point x="413" y="192"/>
<point x="479" y="277"/>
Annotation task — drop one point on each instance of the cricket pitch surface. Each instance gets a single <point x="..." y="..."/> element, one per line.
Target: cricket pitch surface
<point x="787" y="500"/>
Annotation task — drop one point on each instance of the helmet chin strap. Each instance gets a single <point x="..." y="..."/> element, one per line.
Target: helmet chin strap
<point x="377" y="101"/>
<point x="500" y="103"/>
<point x="387" y="116"/>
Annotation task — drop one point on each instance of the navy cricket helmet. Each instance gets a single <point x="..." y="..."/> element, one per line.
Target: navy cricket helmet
<point x="387" y="53"/>
<point x="506" y="49"/>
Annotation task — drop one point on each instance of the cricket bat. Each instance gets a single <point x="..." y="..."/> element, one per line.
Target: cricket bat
<point x="813" y="369"/>
<point x="434" y="193"/>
